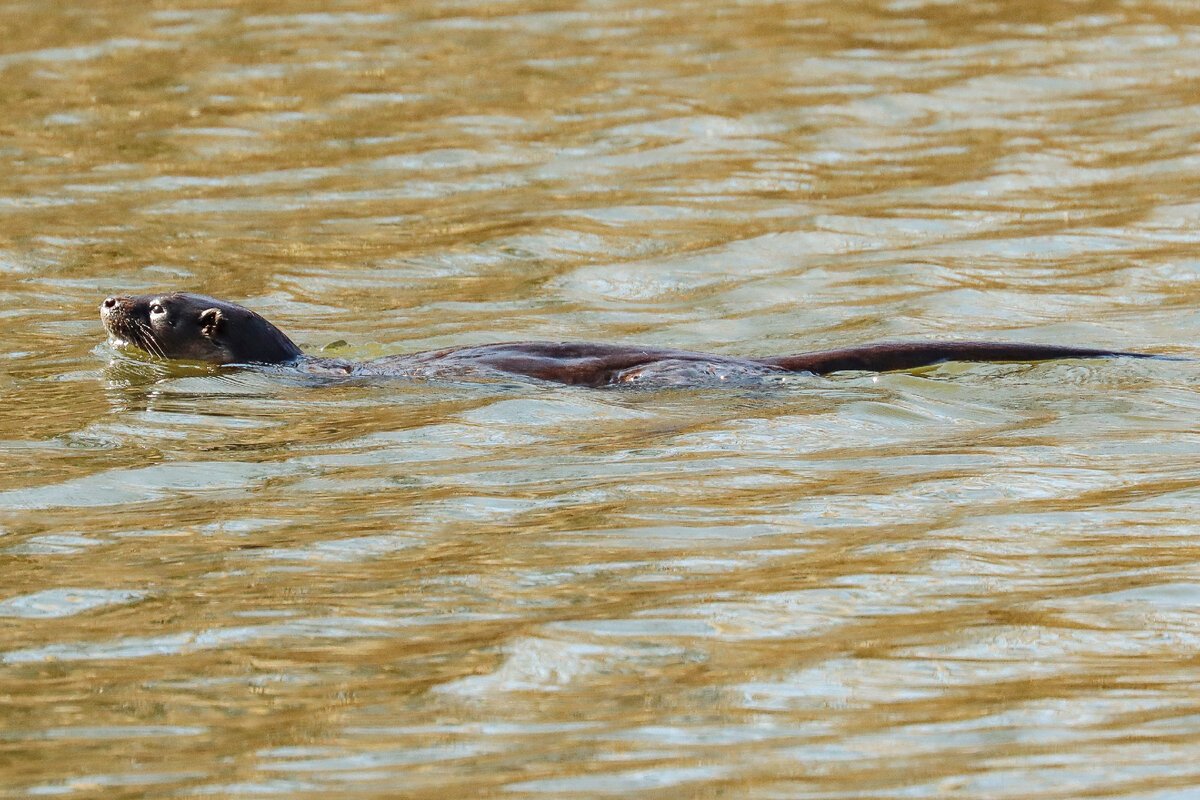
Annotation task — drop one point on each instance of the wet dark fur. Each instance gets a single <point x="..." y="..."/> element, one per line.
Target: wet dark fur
<point x="195" y="327"/>
<point x="200" y="328"/>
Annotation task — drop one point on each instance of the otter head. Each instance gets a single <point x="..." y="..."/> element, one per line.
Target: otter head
<point x="196" y="328"/>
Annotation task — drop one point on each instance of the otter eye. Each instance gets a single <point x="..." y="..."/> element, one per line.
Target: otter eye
<point x="157" y="308"/>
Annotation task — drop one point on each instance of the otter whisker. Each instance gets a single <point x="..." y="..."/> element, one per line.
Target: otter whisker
<point x="145" y="339"/>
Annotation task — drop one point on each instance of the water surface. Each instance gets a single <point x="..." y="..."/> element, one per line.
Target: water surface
<point x="973" y="581"/>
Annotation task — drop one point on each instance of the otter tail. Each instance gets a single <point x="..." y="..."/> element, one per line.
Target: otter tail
<point x="889" y="356"/>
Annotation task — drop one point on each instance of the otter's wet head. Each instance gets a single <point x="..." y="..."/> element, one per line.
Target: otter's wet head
<point x="195" y="327"/>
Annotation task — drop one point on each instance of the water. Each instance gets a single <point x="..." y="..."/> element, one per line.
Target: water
<point x="974" y="581"/>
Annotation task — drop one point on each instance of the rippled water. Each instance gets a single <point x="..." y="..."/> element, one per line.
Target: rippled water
<point x="972" y="581"/>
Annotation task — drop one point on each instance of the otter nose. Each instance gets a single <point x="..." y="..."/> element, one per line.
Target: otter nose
<point x="109" y="302"/>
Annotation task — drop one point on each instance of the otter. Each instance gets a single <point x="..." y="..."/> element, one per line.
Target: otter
<point x="195" y="327"/>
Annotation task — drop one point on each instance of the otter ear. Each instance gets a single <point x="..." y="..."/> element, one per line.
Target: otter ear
<point x="211" y="322"/>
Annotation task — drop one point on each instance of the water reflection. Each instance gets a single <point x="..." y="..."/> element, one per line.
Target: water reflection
<point x="975" y="579"/>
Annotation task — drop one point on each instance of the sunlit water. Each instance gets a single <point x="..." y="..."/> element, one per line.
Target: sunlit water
<point x="973" y="581"/>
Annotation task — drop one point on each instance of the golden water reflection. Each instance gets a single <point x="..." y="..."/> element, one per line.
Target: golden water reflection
<point x="977" y="580"/>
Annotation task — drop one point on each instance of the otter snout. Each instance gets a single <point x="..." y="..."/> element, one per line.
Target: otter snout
<point x="114" y="302"/>
<point x="112" y="308"/>
<point x="115" y="315"/>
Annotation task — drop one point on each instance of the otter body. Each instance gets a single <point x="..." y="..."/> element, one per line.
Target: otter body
<point x="199" y="328"/>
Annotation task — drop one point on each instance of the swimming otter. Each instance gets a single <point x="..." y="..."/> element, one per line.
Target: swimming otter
<point x="200" y="328"/>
